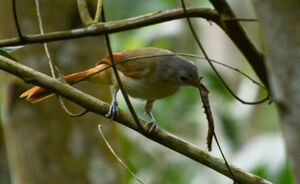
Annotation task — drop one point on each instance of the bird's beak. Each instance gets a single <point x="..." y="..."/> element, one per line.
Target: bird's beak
<point x="200" y="86"/>
<point x="203" y="91"/>
<point x="197" y="83"/>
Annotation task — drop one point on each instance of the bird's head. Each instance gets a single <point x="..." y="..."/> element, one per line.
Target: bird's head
<point x="187" y="73"/>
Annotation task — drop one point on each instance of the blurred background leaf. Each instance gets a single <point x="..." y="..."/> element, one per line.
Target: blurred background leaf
<point x="4" y="52"/>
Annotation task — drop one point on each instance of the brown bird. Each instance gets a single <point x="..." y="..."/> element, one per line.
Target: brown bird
<point x="151" y="74"/>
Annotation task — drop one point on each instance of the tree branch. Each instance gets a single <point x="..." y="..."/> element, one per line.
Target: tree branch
<point x="84" y="12"/>
<point x="114" y="26"/>
<point x="98" y="11"/>
<point x="16" y="20"/>
<point x="232" y="28"/>
<point x="235" y="31"/>
<point x="117" y="76"/>
<point x="97" y="106"/>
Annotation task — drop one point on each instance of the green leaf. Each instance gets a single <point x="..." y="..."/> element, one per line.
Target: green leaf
<point x="286" y="175"/>
<point x="4" y="53"/>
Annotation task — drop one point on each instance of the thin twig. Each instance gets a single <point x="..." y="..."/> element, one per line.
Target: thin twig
<point x="98" y="11"/>
<point x="84" y="12"/>
<point x="52" y="66"/>
<point x="236" y="33"/>
<point x="226" y="66"/>
<point x="97" y="106"/>
<point x="240" y="19"/>
<point x="71" y="114"/>
<point x="62" y="103"/>
<point x="116" y="74"/>
<point x="117" y="157"/>
<point x="165" y="55"/>
<point x="209" y="116"/>
<point x="50" y="63"/>
<point x="214" y="69"/>
<point x="21" y="37"/>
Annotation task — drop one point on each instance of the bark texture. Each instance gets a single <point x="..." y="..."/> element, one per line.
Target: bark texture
<point x="44" y="144"/>
<point x="281" y="29"/>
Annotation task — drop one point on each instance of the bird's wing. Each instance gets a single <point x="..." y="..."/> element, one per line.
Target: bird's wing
<point x="136" y="68"/>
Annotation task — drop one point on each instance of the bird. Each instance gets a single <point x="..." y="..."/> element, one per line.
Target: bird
<point x="148" y="74"/>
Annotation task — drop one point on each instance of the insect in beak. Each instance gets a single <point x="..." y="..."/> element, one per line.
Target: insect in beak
<point x="207" y="110"/>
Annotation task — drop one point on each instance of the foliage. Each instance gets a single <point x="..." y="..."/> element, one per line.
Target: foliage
<point x="4" y="52"/>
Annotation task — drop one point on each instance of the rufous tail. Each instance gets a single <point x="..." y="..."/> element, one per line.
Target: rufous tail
<point x="37" y="94"/>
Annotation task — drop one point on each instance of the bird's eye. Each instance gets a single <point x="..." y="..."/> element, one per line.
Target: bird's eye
<point x="183" y="78"/>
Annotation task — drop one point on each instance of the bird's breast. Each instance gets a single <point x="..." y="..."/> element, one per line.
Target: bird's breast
<point x="148" y="88"/>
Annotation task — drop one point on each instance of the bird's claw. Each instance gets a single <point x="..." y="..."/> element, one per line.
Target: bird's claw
<point x="113" y="110"/>
<point x="152" y="127"/>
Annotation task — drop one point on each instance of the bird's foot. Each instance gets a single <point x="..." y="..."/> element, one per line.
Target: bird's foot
<point x="151" y="126"/>
<point x="113" y="110"/>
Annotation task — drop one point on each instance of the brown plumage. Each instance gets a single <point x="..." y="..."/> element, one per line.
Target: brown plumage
<point x="157" y="76"/>
<point x="37" y="94"/>
<point x="134" y="69"/>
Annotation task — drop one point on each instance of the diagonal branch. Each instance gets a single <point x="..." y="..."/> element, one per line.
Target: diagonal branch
<point x="117" y="76"/>
<point x="117" y="157"/>
<point x="204" y="97"/>
<point x="212" y="66"/>
<point x="98" y="11"/>
<point x="16" y="20"/>
<point x="52" y="65"/>
<point x="236" y="33"/>
<point x="97" y="106"/>
<point x="84" y="12"/>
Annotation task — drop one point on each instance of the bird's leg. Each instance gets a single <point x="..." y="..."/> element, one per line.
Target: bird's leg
<point x="152" y="124"/>
<point x="113" y="109"/>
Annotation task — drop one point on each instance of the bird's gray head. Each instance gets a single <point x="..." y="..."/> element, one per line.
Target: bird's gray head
<point x="188" y="73"/>
<point x="182" y="71"/>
